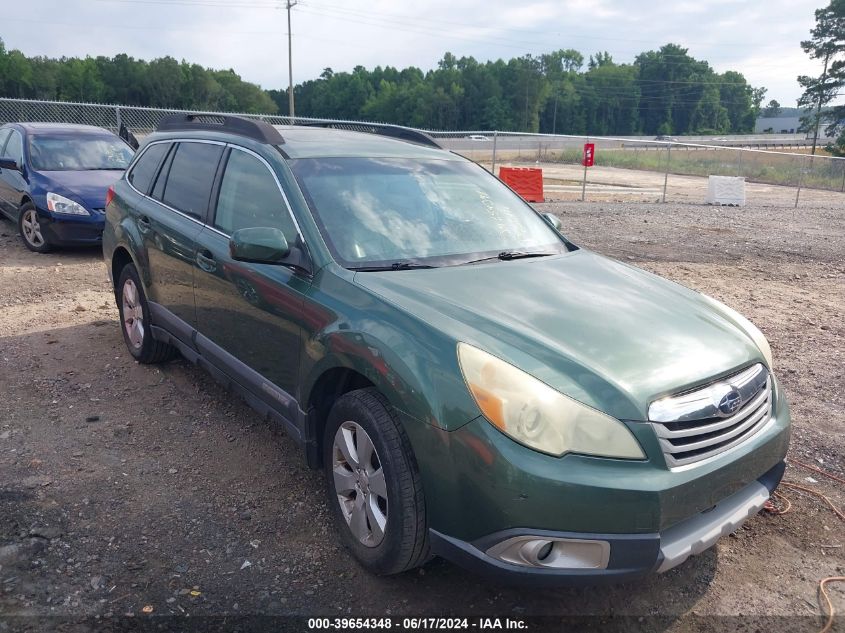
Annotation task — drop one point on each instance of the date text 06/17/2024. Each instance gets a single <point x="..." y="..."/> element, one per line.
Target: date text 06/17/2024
<point x="415" y="624"/>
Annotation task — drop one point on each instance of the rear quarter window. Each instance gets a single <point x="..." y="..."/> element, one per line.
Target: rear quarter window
<point x="191" y="177"/>
<point x="144" y="171"/>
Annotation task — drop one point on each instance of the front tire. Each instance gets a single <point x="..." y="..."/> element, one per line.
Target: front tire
<point x="135" y="320"/>
<point x="374" y="486"/>
<point x="30" y="229"/>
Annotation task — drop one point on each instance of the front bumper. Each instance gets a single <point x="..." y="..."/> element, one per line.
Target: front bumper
<point x="72" y="230"/>
<point x="631" y="555"/>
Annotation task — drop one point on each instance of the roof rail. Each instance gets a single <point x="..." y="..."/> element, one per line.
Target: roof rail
<point x="251" y="128"/>
<point x="382" y="129"/>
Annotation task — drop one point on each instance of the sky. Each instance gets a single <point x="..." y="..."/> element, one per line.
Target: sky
<point x="759" y="39"/>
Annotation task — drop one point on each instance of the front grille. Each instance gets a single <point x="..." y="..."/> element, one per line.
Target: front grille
<point x="698" y="424"/>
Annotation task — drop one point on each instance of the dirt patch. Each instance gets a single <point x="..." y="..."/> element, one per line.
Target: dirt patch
<point x="563" y="183"/>
<point x="123" y="485"/>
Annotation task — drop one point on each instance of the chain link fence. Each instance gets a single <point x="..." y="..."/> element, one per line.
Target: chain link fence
<point x="625" y="169"/>
<point x="140" y="121"/>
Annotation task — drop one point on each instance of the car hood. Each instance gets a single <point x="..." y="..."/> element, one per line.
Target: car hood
<point x="87" y="187"/>
<point x="605" y="333"/>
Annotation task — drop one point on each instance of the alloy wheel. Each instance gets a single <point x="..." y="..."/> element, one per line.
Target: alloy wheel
<point x="133" y="315"/>
<point x="360" y="484"/>
<point x="32" y="229"/>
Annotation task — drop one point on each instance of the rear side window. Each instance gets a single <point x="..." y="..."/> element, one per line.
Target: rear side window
<point x="144" y="171"/>
<point x="158" y="187"/>
<point x="191" y="176"/>
<point x="249" y="197"/>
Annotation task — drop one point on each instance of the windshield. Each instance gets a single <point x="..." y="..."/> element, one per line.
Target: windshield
<point x="75" y="153"/>
<point x="381" y="211"/>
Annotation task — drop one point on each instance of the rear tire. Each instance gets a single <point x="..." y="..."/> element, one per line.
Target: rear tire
<point x="30" y="229"/>
<point x="374" y="486"/>
<point x="135" y="320"/>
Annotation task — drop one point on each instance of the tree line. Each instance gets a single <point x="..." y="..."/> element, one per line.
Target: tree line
<point x="124" y="80"/>
<point x="663" y="92"/>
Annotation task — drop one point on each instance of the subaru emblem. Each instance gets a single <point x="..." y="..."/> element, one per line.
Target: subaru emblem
<point x="730" y="402"/>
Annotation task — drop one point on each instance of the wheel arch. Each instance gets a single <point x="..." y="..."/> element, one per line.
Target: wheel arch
<point x="329" y="386"/>
<point x="120" y="258"/>
<point x="422" y="383"/>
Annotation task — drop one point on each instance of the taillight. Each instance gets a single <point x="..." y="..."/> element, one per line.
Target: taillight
<point x="109" y="195"/>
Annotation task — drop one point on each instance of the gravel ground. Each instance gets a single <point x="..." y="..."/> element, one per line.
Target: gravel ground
<point x="123" y="486"/>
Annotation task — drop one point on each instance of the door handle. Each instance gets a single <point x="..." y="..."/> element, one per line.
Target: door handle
<point x="205" y="260"/>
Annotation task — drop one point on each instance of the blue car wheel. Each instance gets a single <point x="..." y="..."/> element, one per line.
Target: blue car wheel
<point x="31" y="230"/>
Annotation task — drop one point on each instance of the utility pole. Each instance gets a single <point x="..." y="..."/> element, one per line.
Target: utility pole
<point x="289" y="4"/>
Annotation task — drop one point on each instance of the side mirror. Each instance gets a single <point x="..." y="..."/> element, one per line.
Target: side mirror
<point x="554" y="221"/>
<point x="9" y="163"/>
<point x="260" y="245"/>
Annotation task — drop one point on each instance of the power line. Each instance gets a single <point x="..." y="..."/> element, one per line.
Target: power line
<point x="414" y="22"/>
<point x="420" y="28"/>
<point x="133" y="27"/>
<point x="415" y="19"/>
<point x="250" y="4"/>
<point x="411" y="24"/>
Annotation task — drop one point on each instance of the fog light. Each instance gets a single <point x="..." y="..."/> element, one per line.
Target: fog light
<point x="554" y="553"/>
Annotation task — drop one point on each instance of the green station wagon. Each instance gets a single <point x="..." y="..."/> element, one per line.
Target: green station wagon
<point x="474" y="385"/>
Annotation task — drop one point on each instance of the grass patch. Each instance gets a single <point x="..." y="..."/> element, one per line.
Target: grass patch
<point x="771" y="168"/>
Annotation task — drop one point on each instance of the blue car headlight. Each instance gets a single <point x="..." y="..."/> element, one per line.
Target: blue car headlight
<point x="64" y="206"/>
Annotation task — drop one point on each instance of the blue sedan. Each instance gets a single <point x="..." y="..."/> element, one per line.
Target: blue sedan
<point x="54" y="179"/>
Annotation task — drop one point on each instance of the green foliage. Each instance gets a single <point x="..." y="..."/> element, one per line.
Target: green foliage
<point x="661" y="92"/>
<point x="772" y="110"/>
<point x="121" y="79"/>
<point x="827" y="43"/>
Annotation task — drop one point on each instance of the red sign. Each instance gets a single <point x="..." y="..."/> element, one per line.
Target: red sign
<point x="526" y="181"/>
<point x="589" y="154"/>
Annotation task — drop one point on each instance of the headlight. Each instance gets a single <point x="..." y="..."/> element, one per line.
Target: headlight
<point x="60" y="204"/>
<point x="750" y="329"/>
<point x="538" y="416"/>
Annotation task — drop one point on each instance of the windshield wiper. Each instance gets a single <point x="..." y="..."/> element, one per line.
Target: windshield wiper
<point x="393" y="266"/>
<point x="509" y="255"/>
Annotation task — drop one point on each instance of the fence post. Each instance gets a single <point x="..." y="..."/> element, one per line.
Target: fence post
<point x="118" y="118"/>
<point x="495" y="138"/>
<point x="739" y="164"/>
<point x="842" y="162"/>
<point x="666" y="175"/>
<point x="802" y="166"/>
<point x="584" y="182"/>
